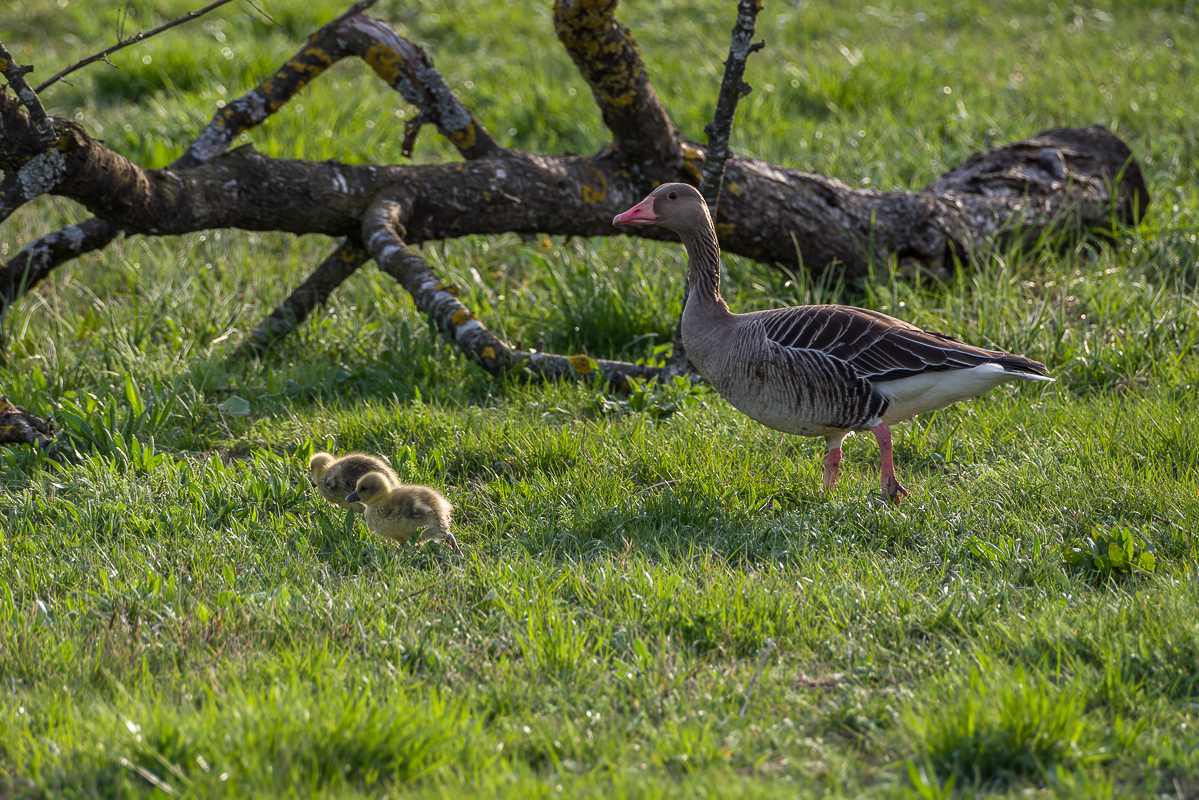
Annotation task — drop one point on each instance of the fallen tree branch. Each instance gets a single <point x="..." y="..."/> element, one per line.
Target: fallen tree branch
<point x="404" y="66"/>
<point x="12" y="195"/>
<point x="1091" y="175"/>
<point x="33" y="165"/>
<point x="123" y="43"/>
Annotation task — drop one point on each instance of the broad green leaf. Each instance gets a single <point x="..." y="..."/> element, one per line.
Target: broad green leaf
<point x="235" y="405"/>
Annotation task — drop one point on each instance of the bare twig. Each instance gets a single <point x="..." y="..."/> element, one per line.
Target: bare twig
<point x="123" y="43"/>
<point x="15" y="74"/>
<point x="262" y="11"/>
<point x="732" y="89"/>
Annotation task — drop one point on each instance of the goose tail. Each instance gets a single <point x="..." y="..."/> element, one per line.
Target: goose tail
<point x="1022" y="367"/>
<point x="1030" y="376"/>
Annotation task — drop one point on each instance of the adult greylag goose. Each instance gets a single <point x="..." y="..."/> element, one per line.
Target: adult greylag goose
<point x="825" y="370"/>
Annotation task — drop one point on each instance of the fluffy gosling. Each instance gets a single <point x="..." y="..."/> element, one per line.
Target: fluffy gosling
<point x="335" y="478"/>
<point x="397" y="510"/>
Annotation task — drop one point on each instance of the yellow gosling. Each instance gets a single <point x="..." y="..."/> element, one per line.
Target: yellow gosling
<point x="398" y="510"/>
<point x="335" y="478"/>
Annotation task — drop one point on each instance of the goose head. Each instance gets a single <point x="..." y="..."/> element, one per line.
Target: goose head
<point x="678" y="206"/>
<point x="371" y="487"/>
<point x="317" y="466"/>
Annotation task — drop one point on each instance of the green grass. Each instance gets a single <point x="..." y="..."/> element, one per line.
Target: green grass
<point x="656" y="600"/>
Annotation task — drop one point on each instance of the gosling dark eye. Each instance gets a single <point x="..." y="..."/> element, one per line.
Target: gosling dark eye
<point x="673" y="195"/>
<point x="330" y="484"/>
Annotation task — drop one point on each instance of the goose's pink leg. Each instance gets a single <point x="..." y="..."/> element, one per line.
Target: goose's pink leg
<point x="892" y="490"/>
<point x="832" y="468"/>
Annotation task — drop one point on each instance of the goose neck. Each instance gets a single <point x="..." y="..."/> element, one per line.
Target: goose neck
<point x="703" y="272"/>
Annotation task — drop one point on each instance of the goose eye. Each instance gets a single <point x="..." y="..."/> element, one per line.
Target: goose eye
<point x="673" y="195"/>
<point x="330" y="484"/>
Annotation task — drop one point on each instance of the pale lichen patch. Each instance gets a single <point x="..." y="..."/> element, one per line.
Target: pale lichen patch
<point x="41" y="173"/>
<point x="74" y="236"/>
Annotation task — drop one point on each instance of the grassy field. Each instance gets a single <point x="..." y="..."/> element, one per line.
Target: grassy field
<point x="656" y="599"/>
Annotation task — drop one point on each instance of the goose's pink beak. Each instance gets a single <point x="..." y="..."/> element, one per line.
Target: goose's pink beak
<point x="640" y="214"/>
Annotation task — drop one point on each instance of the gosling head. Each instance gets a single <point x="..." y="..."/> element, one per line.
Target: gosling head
<point x="678" y="206"/>
<point x="317" y="466"/>
<point x="371" y="487"/>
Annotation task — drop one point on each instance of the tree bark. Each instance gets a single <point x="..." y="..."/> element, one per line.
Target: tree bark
<point x="18" y="426"/>
<point x="1064" y="178"/>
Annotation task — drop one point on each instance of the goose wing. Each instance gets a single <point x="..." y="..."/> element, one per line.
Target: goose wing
<point x="877" y="347"/>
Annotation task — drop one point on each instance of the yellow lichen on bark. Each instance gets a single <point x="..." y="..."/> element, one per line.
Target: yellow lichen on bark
<point x="488" y="352"/>
<point x="583" y="29"/>
<point x="464" y="139"/>
<point x="386" y="62"/>
<point x="593" y="195"/>
<point x="461" y="316"/>
<point x="581" y="364"/>
<point x="313" y="52"/>
<point x="693" y="161"/>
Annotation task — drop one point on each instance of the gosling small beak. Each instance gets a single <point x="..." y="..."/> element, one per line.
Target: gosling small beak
<point x="352" y="497"/>
<point x="640" y="214"/>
